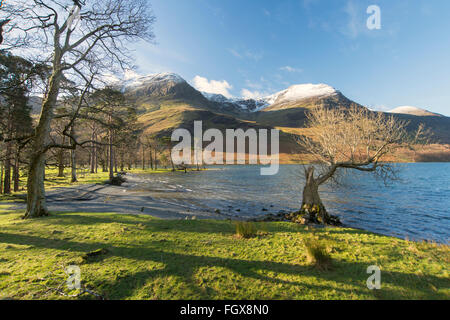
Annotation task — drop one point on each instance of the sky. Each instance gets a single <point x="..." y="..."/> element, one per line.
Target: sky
<point x="254" y="48"/>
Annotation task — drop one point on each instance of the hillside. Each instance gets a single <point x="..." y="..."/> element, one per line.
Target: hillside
<point x="167" y="102"/>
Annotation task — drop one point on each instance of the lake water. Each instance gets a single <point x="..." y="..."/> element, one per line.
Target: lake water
<point x="416" y="207"/>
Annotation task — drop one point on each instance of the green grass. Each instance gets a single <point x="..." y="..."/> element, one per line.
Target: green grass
<point x="148" y="258"/>
<point x="246" y="230"/>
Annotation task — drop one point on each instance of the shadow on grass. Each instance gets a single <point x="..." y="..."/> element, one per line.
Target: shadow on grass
<point x="184" y="267"/>
<point x="161" y="225"/>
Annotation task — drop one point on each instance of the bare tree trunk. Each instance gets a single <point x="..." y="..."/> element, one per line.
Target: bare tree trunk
<point x="93" y="153"/>
<point x="16" y="173"/>
<point x="7" y="180"/>
<point x="313" y="210"/>
<point x="115" y="161"/>
<point x="143" y="158"/>
<point x="61" y="160"/>
<point x="151" y="159"/>
<point x="1" y="178"/>
<point x="106" y="160"/>
<point x="36" y="205"/>
<point x="111" y="157"/>
<point x="122" y="161"/>
<point x="156" y="160"/>
<point x="73" y="157"/>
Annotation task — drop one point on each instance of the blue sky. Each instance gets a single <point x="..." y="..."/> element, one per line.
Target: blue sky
<point x="258" y="47"/>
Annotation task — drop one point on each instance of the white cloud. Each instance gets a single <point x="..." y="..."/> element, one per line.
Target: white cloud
<point x="213" y="86"/>
<point x="247" y="94"/>
<point x="291" y="69"/>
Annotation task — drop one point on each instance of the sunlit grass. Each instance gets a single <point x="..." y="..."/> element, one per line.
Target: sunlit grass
<point x="149" y="258"/>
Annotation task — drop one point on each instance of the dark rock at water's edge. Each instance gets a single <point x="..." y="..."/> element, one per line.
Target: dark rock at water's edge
<point x="295" y="217"/>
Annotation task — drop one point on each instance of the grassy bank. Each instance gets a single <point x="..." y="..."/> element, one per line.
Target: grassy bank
<point x="149" y="258"/>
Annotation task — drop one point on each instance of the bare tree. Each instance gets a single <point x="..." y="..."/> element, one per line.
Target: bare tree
<point x="350" y="139"/>
<point x="75" y="36"/>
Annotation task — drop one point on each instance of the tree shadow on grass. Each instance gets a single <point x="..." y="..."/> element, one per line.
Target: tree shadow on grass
<point x="162" y="225"/>
<point x="185" y="266"/>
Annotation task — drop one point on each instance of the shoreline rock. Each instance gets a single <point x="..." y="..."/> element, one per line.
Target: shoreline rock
<point x="294" y="217"/>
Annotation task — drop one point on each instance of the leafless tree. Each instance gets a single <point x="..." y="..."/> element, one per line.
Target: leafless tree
<point x="349" y="139"/>
<point x="71" y="37"/>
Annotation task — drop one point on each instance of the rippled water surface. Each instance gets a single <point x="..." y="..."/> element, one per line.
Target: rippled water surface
<point x="417" y="207"/>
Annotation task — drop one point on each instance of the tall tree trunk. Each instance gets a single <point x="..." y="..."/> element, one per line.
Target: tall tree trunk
<point x="7" y="180"/>
<point x="73" y="157"/>
<point x="61" y="160"/>
<point x="111" y="157"/>
<point x="106" y="160"/>
<point x="1" y="177"/>
<point x="151" y="159"/>
<point x="36" y="205"/>
<point x="122" y="161"/>
<point x="16" y="173"/>
<point x="115" y="161"/>
<point x="93" y="153"/>
<point x="156" y="160"/>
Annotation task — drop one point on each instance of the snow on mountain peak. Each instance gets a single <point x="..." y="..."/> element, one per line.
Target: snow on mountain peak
<point x="412" y="111"/>
<point x="302" y="91"/>
<point x="134" y="80"/>
<point x="293" y="93"/>
<point x="158" y="77"/>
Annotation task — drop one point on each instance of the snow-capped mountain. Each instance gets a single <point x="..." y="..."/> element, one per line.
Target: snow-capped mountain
<point x="250" y="105"/>
<point x="171" y="83"/>
<point x="415" y="111"/>
<point x="301" y="92"/>
<point x="137" y="82"/>
<point x="168" y="102"/>
<point x="292" y="94"/>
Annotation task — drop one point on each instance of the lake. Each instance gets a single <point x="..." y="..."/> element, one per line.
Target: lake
<point x="417" y="207"/>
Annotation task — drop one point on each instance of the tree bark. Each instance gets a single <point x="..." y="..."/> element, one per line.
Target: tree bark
<point x="61" y="160"/>
<point x="16" y="171"/>
<point x="73" y="157"/>
<point x="7" y="180"/>
<point x="1" y="178"/>
<point x="313" y="210"/>
<point x="151" y="158"/>
<point x="111" y="157"/>
<point x="143" y="158"/>
<point x="36" y="205"/>
<point x="93" y="154"/>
